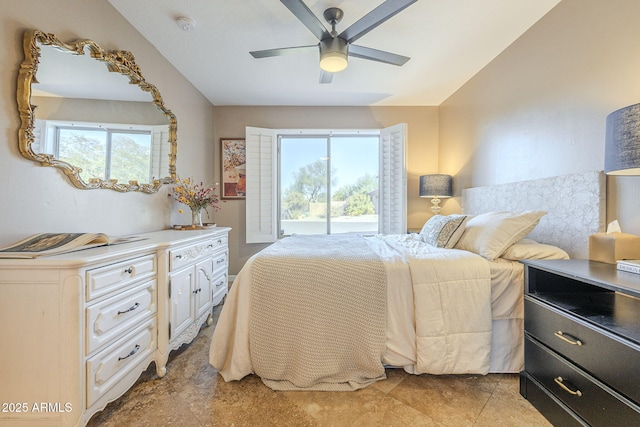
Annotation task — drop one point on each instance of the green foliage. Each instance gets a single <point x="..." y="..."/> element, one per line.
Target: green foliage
<point x="311" y="181"/>
<point x="359" y="204"/>
<point x="295" y="205"/>
<point x="129" y="160"/>
<point x="310" y="184"/>
<point x="84" y="152"/>
<point x="363" y="185"/>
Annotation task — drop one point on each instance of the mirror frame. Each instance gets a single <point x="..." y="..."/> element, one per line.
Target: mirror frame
<point x="118" y="61"/>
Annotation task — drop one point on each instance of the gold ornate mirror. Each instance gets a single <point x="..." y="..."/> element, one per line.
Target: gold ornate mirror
<point x="91" y="113"/>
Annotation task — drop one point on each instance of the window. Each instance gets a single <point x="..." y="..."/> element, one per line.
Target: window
<point x="328" y="184"/>
<point x="106" y="153"/>
<point x="123" y="152"/>
<point x="266" y="186"/>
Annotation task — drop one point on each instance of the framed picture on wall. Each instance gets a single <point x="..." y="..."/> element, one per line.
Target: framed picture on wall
<point x="233" y="158"/>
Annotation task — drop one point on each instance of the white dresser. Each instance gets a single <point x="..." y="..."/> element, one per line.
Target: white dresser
<point x="79" y="328"/>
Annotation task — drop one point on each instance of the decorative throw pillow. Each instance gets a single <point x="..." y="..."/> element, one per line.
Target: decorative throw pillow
<point x="491" y="233"/>
<point x="530" y="249"/>
<point x="443" y="231"/>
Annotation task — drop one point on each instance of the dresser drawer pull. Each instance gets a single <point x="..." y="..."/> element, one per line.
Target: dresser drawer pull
<point x="219" y="241"/>
<point x="221" y="283"/>
<point x="560" y="382"/>
<point x="568" y="338"/>
<point x="133" y="307"/>
<point x="129" y="270"/>
<point x="134" y="351"/>
<point x="197" y="290"/>
<point x="221" y="260"/>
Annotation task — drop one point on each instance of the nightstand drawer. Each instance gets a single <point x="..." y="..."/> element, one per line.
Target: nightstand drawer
<point x="609" y="358"/>
<point x="589" y="398"/>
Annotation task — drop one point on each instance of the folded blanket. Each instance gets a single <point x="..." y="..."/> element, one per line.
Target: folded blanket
<point x="318" y="314"/>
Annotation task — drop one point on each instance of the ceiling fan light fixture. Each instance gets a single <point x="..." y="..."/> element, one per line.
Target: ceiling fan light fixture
<point x="333" y="54"/>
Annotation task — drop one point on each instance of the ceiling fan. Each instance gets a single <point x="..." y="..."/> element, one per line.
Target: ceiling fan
<point x="334" y="48"/>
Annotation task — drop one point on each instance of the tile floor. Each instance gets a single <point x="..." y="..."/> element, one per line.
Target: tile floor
<point x="193" y="394"/>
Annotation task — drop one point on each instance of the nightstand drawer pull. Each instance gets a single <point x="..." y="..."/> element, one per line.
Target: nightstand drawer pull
<point x="568" y="338"/>
<point x="560" y="382"/>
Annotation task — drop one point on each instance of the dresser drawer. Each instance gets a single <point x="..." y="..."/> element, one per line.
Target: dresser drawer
<point x="609" y="358"/>
<point x="115" y="316"/>
<point x="589" y="398"/>
<point x="186" y="255"/>
<point x="219" y="286"/>
<point x="221" y="261"/>
<point x="109" y="366"/>
<point x="102" y="280"/>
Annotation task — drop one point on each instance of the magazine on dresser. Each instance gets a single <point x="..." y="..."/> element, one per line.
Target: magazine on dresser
<point x="44" y="244"/>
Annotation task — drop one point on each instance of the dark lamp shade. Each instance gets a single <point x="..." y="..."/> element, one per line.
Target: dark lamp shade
<point x="622" y="143"/>
<point x="436" y="185"/>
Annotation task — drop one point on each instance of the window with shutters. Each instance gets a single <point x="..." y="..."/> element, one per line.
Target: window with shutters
<point x="325" y="182"/>
<point x="328" y="184"/>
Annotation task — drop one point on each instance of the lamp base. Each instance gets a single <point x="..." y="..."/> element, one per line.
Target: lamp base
<point x="435" y="208"/>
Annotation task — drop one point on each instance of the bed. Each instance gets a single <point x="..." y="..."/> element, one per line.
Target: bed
<point x="332" y="312"/>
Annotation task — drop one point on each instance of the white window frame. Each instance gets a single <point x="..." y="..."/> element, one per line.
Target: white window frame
<point x="262" y="181"/>
<point x="45" y="139"/>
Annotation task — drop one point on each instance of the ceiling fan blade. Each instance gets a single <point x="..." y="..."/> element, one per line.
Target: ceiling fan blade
<point x="325" y="77"/>
<point x="281" y="51"/>
<point x="374" y="18"/>
<point x="377" y="55"/>
<point x="304" y="14"/>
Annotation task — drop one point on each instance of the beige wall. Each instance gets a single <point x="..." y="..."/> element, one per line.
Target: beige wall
<point x="539" y="108"/>
<point x="41" y="199"/>
<point x="230" y="122"/>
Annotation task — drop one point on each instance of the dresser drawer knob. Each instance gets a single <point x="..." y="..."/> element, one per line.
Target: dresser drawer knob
<point x="562" y="385"/>
<point x="568" y="338"/>
<point x="133" y="307"/>
<point x="129" y="270"/>
<point x="134" y="351"/>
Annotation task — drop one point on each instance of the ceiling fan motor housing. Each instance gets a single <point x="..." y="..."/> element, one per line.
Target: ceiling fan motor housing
<point x="333" y="54"/>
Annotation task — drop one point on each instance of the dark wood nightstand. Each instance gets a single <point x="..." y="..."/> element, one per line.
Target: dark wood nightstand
<point x="582" y="343"/>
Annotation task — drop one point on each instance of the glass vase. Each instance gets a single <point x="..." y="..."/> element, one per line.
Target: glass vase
<point x="196" y="217"/>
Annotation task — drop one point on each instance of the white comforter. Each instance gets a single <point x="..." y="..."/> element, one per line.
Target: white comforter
<point x="438" y="311"/>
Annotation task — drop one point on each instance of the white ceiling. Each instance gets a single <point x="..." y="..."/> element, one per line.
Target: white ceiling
<point x="448" y="41"/>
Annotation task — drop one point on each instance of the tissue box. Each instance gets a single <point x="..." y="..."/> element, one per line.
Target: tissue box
<point x="611" y="247"/>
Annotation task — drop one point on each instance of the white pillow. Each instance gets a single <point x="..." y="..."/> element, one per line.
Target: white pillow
<point x="443" y="231"/>
<point x="530" y="249"/>
<point x="491" y="233"/>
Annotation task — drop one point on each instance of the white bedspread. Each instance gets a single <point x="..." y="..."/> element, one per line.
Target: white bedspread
<point x="438" y="311"/>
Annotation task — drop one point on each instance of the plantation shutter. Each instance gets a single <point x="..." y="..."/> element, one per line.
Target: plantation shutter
<point x="393" y="180"/>
<point x="160" y="150"/>
<point x="262" y="179"/>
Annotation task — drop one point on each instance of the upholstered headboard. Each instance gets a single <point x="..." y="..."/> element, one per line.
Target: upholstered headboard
<point x="575" y="206"/>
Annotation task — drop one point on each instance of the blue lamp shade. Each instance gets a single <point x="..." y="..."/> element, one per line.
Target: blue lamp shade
<point x="622" y="143"/>
<point x="436" y="185"/>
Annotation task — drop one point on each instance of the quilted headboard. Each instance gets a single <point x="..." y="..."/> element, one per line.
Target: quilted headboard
<point x="575" y="206"/>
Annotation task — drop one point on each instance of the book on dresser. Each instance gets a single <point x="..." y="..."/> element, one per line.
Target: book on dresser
<point x="630" y="265"/>
<point x="57" y="243"/>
